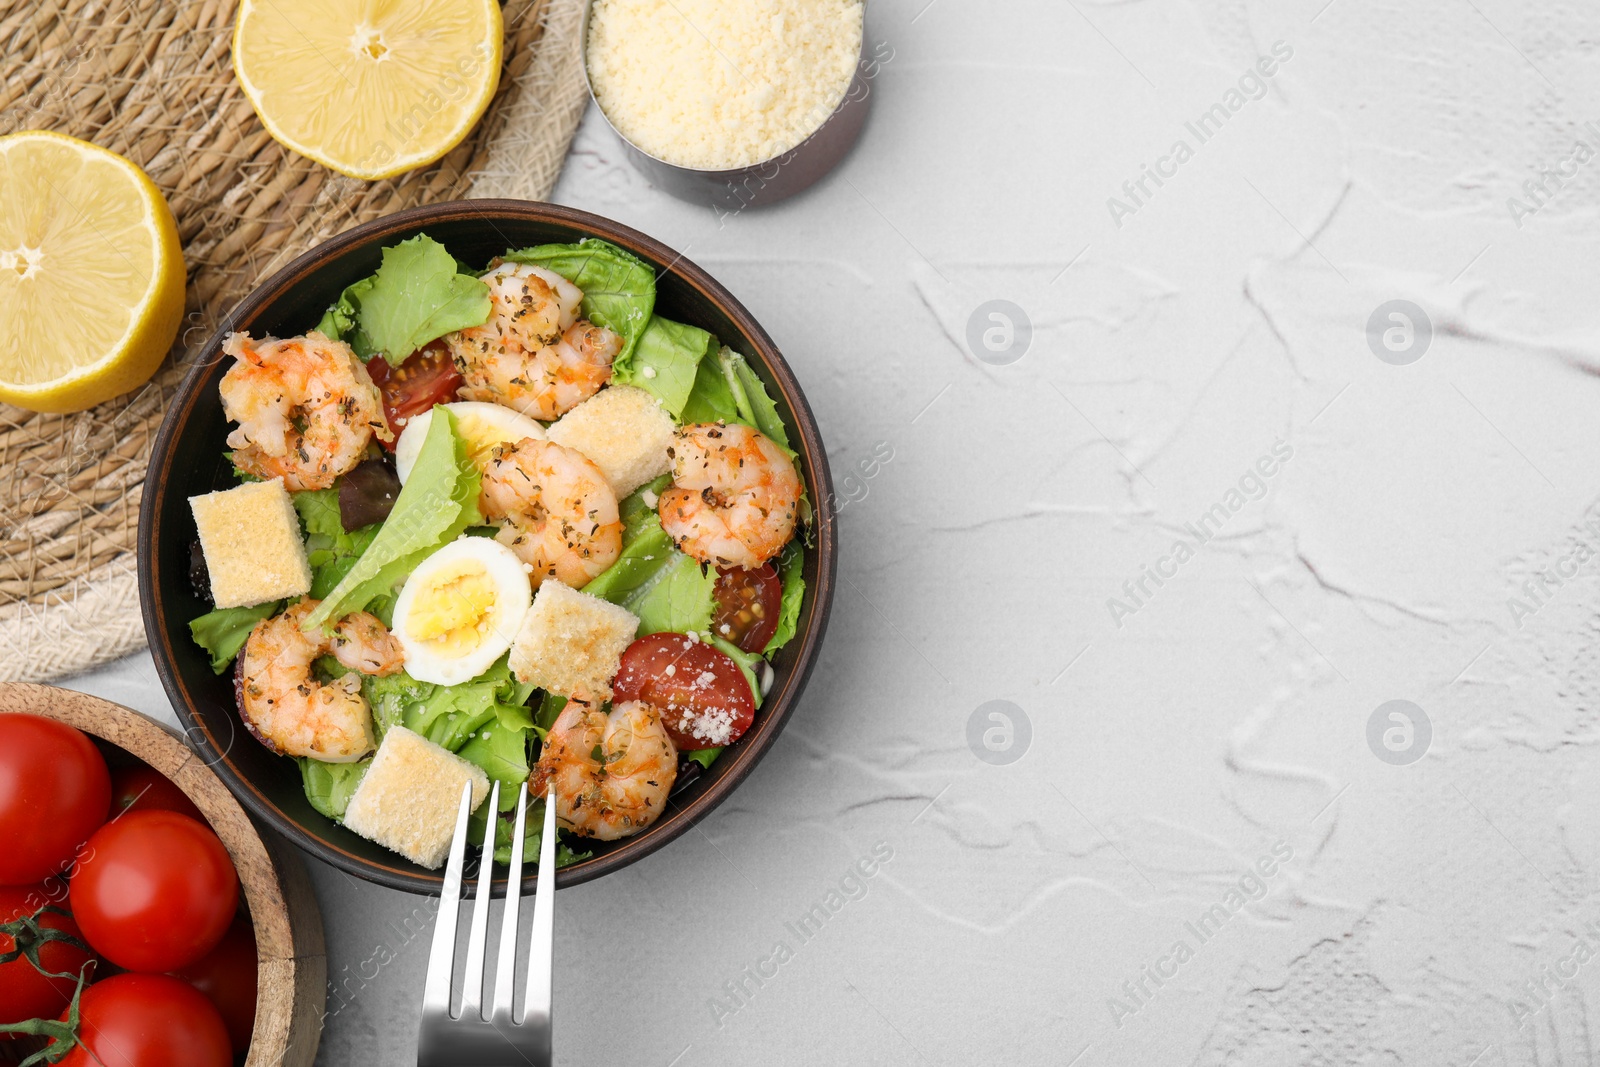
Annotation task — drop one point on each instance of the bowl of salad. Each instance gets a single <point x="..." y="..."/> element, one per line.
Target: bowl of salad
<point x="484" y="494"/>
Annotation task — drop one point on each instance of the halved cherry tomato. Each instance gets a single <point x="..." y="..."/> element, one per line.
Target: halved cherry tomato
<point x="154" y="890"/>
<point x="427" y="377"/>
<point x="143" y="788"/>
<point x="227" y="976"/>
<point x="25" y="992"/>
<point x="703" y="697"/>
<point x="147" y="1020"/>
<point x="54" y="792"/>
<point x="748" y="605"/>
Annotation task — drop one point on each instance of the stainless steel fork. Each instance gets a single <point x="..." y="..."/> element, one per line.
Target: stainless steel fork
<point x="496" y="1038"/>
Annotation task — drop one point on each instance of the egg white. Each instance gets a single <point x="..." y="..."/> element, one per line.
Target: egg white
<point x="513" y="594"/>
<point x="480" y="424"/>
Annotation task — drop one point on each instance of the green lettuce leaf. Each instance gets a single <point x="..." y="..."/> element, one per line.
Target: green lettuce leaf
<point x="633" y="509"/>
<point x="619" y="288"/>
<point x="340" y="321"/>
<point x="756" y="408"/>
<point x="390" y="697"/>
<point x="501" y="749"/>
<point x="791" y="565"/>
<point x="439" y="501"/>
<point x="532" y="833"/>
<point x="319" y="513"/>
<point x="448" y="715"/>
<point x="564" y="855"/>
<point x="550" y="706"/>
<point x="224" y="631"/>
<point x="502" y="753"/>
<point x="727" y="390"/>
<point x="514" y="716"/>
<point x="330" y="549"/>
<point x="705" y="756"/>
<point x="417" y="295"/>
<point x="329" y="568"/>
<point x="485" y="721"/>
<point x="454" y="716"/>
<point x="711" y="399"/>
<point x="667" y="361"/>
<point x="329" y="786"/>
<point x="665" y="588"/>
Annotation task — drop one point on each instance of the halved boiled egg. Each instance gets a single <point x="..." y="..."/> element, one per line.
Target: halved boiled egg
<point x="481" y="426"/>
<point x="461" y="609"/>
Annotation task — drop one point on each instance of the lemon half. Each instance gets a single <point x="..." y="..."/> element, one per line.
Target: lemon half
<point x="370" y="88"/>
<point x="91" y="273"/>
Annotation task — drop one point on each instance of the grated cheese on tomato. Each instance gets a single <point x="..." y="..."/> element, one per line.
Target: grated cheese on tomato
<point x="711" y="725"/>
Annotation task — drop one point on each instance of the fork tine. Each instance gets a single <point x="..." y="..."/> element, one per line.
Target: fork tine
<point x="442" y="954"/>
<point x="477" y="939"/>
<point x="505" y="969"/>
<point x="541" y="953"/>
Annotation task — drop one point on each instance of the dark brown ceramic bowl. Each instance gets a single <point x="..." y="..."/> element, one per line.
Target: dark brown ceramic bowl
<point x="188" y="460"/>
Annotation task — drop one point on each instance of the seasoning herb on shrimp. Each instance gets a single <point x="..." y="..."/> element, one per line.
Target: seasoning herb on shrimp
<point x="561" y="516"/>
<point x="534" y="354"/>
<point x="305" y="406"/>
<point x="612" y="772"/>
<point x="284" y="705"/>
<point x="734" y="495"/>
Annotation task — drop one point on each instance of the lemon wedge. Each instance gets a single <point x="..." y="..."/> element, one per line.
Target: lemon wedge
<point x="370" y="88"/>
<point x="91" y="273"/>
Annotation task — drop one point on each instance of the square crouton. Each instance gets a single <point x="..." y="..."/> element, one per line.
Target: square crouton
<point x="571" y="641"/>
<point x="624" y="430"/>
<point x="410" y="795"/>
<point x="250" y="535"/>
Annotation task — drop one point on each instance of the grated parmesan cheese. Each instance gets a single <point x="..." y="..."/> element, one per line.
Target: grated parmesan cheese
<point x="713" y="726"/>
<point x="721" y="84"/>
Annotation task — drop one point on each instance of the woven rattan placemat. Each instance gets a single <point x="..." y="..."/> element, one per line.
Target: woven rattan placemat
<point x="152" y="79"/>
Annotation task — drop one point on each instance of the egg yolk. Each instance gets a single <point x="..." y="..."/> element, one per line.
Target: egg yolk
<point x="480" y="438"/>
<point x="452" y="611"/>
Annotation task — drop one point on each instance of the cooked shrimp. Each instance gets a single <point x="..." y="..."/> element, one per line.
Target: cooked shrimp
<point x="291" y="712"/>
<point x="733" y="497"/>
<point x="560" y="513"/>
<point x="305" y="406"/>
<point x="534" y="354"/>
<point x="611" y="773"/>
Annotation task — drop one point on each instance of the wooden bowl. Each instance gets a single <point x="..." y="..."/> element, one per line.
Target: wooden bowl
<point x="188" y="460"/>
<point x="292" y="972"/>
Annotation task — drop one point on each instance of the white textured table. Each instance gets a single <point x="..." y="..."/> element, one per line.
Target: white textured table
<point x="1190" y="836"/>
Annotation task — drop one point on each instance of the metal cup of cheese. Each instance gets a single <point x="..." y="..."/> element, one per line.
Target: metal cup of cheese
<point x="767" y="181"/>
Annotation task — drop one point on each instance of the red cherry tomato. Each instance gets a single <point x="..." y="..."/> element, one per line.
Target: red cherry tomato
<point x="143" y="788"/>
<point x="54" y="792"/>
<point x="25" y="992"/>
<point x="148" y="1020"/>
<point x="154" y="891"/>
<point x="703" y="697"/>
<point x="227" y="976"/>
<point x="748" y="605"/>
<point x="427" y="377"/>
